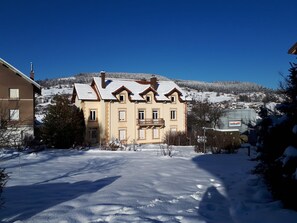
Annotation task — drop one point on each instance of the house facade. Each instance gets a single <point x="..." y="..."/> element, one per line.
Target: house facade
<point x="131" y="111"/>
<point x="17" y="102"/>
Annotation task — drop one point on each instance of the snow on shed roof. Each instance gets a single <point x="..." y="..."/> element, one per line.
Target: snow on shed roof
<point x="113" y="85"/>
<point x="85" y="92"/>
<point x="165" y="87"/>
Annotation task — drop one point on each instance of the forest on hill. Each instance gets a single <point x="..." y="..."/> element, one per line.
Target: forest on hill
<point x="234" y="87"/>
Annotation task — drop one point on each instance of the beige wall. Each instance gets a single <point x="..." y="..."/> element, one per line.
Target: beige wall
<point x="110" y="126"/>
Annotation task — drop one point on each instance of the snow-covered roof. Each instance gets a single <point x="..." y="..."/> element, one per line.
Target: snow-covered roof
<point x="85" y="92"/>
<point x="136" y="89"/>
<point x="21" y="74"/>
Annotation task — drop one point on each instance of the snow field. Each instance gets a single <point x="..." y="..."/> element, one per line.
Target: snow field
<point x="142" y="186"/>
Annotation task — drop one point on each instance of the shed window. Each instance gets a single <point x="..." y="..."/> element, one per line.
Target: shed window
<point x="14" y="93"/>
<point x="14" y="114"/>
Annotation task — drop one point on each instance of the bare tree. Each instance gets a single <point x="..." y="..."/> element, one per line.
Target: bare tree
<point x="204" y="114"/>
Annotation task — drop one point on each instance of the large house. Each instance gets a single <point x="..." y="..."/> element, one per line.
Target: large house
<point x="130" y="111"/>
<point x="17" y="103"/>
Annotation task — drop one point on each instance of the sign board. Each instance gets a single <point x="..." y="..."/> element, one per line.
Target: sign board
<point x="201" y="139"/>
<point x="234" y="123"/>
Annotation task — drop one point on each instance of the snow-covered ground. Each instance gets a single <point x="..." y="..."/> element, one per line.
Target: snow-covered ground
<point x="56" y="90"/>
<point x="136" y="186"/>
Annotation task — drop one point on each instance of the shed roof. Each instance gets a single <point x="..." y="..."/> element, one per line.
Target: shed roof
<point x="15" y="70"/>
<point x="85" y="92"/>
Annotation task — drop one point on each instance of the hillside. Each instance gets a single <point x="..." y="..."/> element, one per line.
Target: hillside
<point x="229" y="95"/>
<point x="222" y="86"/>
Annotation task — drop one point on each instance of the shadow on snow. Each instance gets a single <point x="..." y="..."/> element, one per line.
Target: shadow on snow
<point x="215" y="207"/>
<point x="39" y="197"/>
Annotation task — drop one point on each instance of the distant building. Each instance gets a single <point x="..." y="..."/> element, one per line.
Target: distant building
<point x="17" y="100"/>
<point x="130" y="111"/>
<point x="238" y="119"/>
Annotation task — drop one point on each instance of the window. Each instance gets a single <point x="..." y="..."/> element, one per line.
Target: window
<point x="122" y="134"/>
<point x="148" y="99"/>
<point x="141" y="114"/>
<point x="173" y="99"/>
<point x="92" y="115"/>
<point x="173" y="129"/>
<point x="172" y="114"/>
<point x="122" y="98"/>
<point x="122" y="115"/>
<point x="155" y="114"/>
<point x="156" y="134"/>
<point x="141" y="133"/>
<point x="93" y="134"/>
<point x="14" y="93"/>
<point x="14" y="114"/>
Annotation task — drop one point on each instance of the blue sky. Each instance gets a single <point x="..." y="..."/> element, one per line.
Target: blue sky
<point x="207" y="40"/>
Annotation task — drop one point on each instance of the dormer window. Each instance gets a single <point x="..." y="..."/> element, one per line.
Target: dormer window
<point x="122" y="98"/>
<point x="173" y="99"/>
<point x="148" y="98"/>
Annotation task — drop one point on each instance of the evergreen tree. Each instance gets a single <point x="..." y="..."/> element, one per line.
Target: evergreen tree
<point x="289" y="89"/>
<point x="64" y="125"/>
<point x="276" y="136"/>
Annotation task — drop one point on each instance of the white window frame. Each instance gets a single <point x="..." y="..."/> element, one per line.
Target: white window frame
<point x="122" y="134"/>
<point x="155" y="114"/>
<point x="14" y="114"/>
<point x="173" y="114"/>
<point x="141" y="134"/>
<point x="93" y="115"/>
<point x="141" y="114"/>
<point x="156" y="133"/>
<point x="14" y="93"/>
<point x="122" y="115"/>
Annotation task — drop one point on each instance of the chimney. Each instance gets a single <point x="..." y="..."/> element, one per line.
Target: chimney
<point x="154" y="83"/>
<point x="102" y="75"/>
<point x="32" y="72"/>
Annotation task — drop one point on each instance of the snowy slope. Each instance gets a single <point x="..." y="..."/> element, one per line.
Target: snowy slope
<point x="142" y="186"/>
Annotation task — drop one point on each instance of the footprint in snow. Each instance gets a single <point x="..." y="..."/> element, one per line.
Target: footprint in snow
<point x="199" y="186"/>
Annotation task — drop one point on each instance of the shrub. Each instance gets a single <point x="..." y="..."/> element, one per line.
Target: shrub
<point x="178" y="138"/>
<point x="219" y="141"/>
<point x="3" y="180"/>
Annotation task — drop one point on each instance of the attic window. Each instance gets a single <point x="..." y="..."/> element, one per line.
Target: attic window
<point x="122" y="98"/>
<point x="173" y="99"/>
<point x="148" y="99"/>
